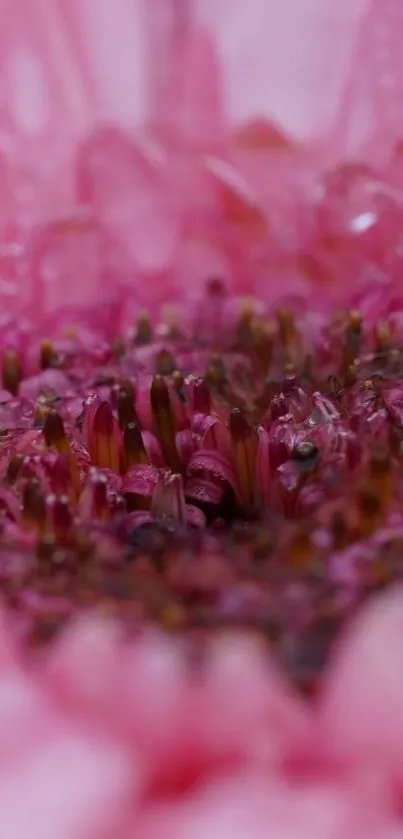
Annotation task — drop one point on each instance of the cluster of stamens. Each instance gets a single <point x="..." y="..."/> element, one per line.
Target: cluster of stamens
<point x="253" y="479"/>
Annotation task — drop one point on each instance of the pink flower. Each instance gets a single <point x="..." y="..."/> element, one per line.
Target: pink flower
<point x="201" y="420"/>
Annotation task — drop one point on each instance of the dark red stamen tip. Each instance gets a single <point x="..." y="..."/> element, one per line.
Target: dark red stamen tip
<point x="11" y="371"/>
<point x="165" y="422"/>
<point x="143" y="334"/>
<point x="103" y="420"/>
<point x="165" y="363"/>
<point x="352" y="345"/>
<point x="61" y="475"/>
<point x="244" y="439"/>
<point x="33" y="504"/>
<point x="125" y="407"/>
<point x="201" y="397"/>
<point x="60" y="518"/>
<point x="54" y="433"/>
<point x="215" y="287"/>
<point x="239" y="427"/>
<point x="46" y="355"/>
<point x="104" y="439"/>
<point x="133" y="445"/>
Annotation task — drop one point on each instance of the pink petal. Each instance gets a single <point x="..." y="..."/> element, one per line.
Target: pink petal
<point x="215" y="464"/>
<point x="205" y="492"/>
<point x="74" y="786"/>
<point x="360" y="713"/>
<point x="141" y="480"/>
<point x="286" y="82"/>
<point x="127" y="186"/>
<point x="192" y="110"/>
<point x="194" y="516"/>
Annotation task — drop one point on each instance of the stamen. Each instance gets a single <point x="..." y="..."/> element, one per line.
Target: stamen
<point x="94" y="500"/>
<point x="178" y="381"/>
<point x="216" y="374"/>
<point x="288" y="335"/>
<point x="352" y="346"/>
<point x="12" y="372"/>
<point x="245" y="442"/>
<point x="165" y="363"/>
<point x="134" y="448"/>
<point x="381" y="476"/>
<point x="300" y="551"/>
<point x="165" y="422"/>
<point x="54" y="433"/>
<point x="100" y="507"/>
<point x="60" y="519"/>
<point x="382" y="337"/>
<point x="104" y="440"/>
<point x="125" y="407"/>
<point x="169" y="499"/>
<point x="143" y="333"/>
<point x="119" y="347"/>
<point x="201" y="397"/>
<point x="55" y="438"/>
<point x="370" y="511"/>
<point x="334" y="387"/>
<point x="339" y="530"/>
<point x="40" y="415"/>
<point x="61" y="477"/>
<point x="14" y="468"/>
<point x="245" y="326"/>
<point x="46" y="355"/>
<point x="263" y="335"/>
<point x="33" y="505"/>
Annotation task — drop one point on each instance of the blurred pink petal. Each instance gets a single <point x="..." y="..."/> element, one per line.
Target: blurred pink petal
<point x="73" y="786"/>
<point x="284" y="61"/>
<point x="364" y="685"/>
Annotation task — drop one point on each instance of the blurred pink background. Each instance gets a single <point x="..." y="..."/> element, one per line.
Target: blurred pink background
<point x="65" y="63"/>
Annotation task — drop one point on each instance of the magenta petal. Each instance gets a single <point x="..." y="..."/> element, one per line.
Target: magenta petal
<point x="212" y="432"/>
<point x="18" y="442"/>
<point x="194" y="516"/>
<point x="10" y="504"/>
<point x="137" y="519"/>
<point x="206" y="492"/>
<point x="54" y="380"/>
<point x="17" y="413"/>
<point x="153" y="449"/>
<point x="141" y="480"/>
<point x="215" y="464"/>
<point x="202" y="423"/>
